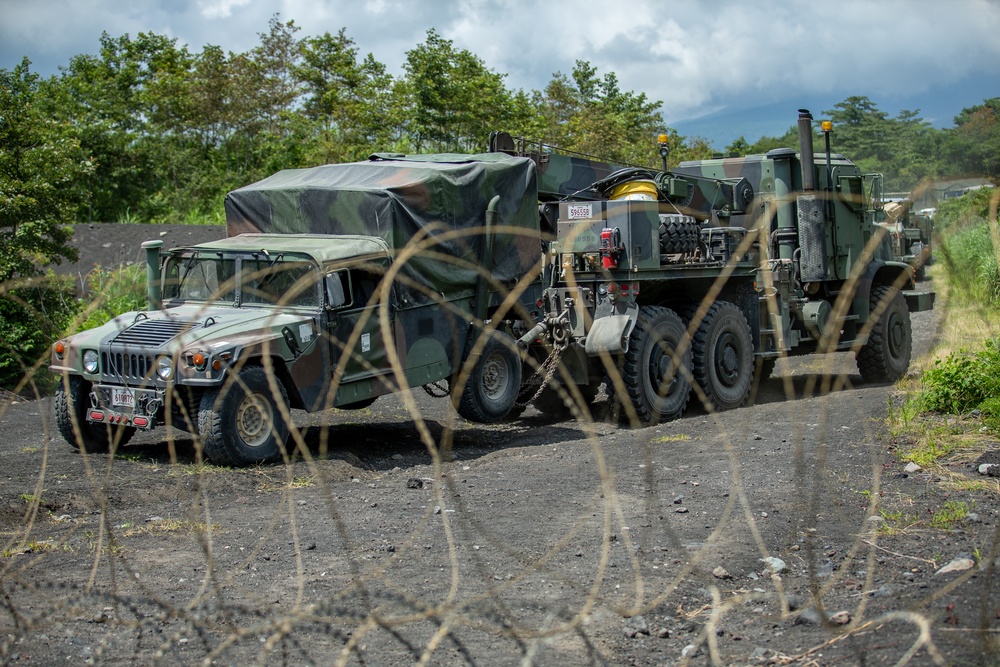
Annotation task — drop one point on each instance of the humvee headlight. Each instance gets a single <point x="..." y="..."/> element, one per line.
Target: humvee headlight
<point x="164" y="368"/>
<point x="90" y="361"/>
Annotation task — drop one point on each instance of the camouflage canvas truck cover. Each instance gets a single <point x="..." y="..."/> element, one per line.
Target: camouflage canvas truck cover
<point x="336" y="285"/>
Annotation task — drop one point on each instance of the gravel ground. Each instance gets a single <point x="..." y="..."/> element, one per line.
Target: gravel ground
<point x="402" y="533"/>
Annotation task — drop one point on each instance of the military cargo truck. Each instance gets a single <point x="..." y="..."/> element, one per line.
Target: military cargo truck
<point x="336" y="285"/>
<point x="909" y="235"/>
<point x="665" y="285"/>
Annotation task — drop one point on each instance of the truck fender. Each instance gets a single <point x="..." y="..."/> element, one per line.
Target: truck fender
<point x="610" y="334"/>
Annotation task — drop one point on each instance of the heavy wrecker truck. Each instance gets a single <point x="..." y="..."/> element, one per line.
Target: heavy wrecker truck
<point x="342" y="283"/>
<point x="693" y="282"/>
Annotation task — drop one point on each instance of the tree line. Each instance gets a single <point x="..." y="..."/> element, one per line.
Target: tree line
<point x="148" y="131"/>
<point x="906" y="149"/>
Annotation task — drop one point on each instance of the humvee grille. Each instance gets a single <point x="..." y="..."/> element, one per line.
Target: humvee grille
<point x="129" y="356"/>
<point x="125" y="366"/>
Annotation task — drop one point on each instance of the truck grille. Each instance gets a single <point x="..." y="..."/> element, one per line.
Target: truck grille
<point x="129" y="356"/>
<point x="125" y="366"/>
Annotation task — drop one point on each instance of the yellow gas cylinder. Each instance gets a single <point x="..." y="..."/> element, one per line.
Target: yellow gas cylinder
<point x="642" y="190"/>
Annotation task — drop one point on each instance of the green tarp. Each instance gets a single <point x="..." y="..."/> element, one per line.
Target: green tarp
<point x="399" y="198"/>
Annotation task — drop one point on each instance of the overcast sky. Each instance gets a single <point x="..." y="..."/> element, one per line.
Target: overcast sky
<point x="698" y="57"/>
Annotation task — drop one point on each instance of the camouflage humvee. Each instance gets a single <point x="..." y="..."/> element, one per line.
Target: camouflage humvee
<point x="398" y="277"/>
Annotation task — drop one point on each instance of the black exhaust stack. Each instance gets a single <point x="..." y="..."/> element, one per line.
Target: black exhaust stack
<point x="806" y="150"/>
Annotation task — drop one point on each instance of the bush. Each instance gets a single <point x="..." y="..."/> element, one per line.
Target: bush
<point x="973" y="273"/>
<point x="963" y="381"/>
<point x="41" y="310"/>
<point x="32" y="316"/>
<point x="112" y="292"/>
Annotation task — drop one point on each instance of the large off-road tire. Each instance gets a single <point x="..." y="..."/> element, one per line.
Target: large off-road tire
<point x="492" y="387"/>
<point x="722" y="357"/>
<point x="551" y="404"/>
<point x="678" y="233"/>
<point x="764" y="369"/>
<point x="886" y="355"/>
<point x="240" y="423"/>
<point x="658" y="384"/>
<point x="70" y="407"/>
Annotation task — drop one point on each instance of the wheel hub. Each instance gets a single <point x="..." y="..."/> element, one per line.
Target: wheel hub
<point x="896" y="335"/>
<point x="495" y="377"/>
<point x="661" y="368"/>
<point x="727" y="359"/>
<point x="253" y="420"/>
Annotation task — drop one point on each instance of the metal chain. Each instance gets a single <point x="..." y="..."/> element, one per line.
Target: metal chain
<point x="550" y="365"/>
<point x="433" y="388"/>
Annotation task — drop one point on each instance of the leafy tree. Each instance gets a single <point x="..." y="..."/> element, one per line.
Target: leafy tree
<point x="593" y="115"/>
<point x="452" y="100"/>
<point x="40" y="165"/>
<point x="351" y="102"/>
<point x="790" y="139"/>
<point x="739" y="147"/>
<point x="973" y="147"/>
<point x="105" y="98"/>
<point x="686" y="148"/>
<point x="901" y="148"/>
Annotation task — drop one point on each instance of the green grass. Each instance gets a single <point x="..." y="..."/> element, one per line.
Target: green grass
<point x="113" y="292"/>
<point x="972" y="272"/>
<point x="951" y="514"/>
<point x="34" y="547"/>
<point x="963" y="381"/>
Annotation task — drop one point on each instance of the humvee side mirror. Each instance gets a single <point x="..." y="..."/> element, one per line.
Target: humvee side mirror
<point x="337" y="286"/>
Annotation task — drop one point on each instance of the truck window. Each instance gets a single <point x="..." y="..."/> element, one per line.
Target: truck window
<point x="852" y="192"/>
<point x="290" y="283"/>
<point x="365" y="286"/>
<point x="194" y="278"/>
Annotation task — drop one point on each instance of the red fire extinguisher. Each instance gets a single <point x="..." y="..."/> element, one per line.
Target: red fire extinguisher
<point x="611" y="247"/>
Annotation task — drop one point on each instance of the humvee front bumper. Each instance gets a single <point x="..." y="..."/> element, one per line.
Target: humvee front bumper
<point x="129" y="406"/>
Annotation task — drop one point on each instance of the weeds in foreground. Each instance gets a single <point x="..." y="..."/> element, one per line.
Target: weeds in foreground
<point x="896" y="522"/>
<point x="166" y="526"/>
<point x="680" y="437"/>
<point x="951" y="514"/>
<point x="195" y="469"/>
<point x="34" y="547"/>
<point x="117" y="291"/>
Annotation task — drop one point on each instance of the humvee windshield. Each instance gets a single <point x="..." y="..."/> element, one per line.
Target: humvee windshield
<point x="258" y="279"/>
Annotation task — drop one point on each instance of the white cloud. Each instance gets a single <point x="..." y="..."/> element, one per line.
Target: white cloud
<point x="694" y="56"/>
<point x="214" y="9"/>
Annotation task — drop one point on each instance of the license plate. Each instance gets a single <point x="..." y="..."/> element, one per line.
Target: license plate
<point x="123" y="398"/>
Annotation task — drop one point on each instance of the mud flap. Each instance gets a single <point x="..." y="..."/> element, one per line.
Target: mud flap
<point x="610" y="334"/>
